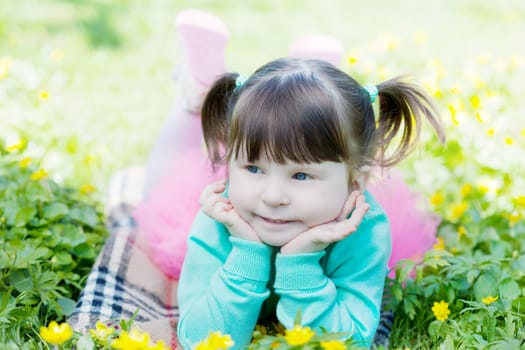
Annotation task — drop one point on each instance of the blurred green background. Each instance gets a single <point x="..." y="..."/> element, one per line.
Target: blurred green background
<point x="88" y="83"/>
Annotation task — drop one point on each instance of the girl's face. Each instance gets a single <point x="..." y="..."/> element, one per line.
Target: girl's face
<point x="281" y="201"/>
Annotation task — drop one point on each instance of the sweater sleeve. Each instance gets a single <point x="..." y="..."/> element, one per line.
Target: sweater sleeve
<point x="343" y="293"/>
<point x="222" y="285"/>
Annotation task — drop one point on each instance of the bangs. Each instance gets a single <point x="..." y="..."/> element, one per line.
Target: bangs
<point x="291" y="117"/>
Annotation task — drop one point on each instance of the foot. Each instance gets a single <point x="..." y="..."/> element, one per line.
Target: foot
<point x="324" y="47"/>
<point x="201" y="39"/>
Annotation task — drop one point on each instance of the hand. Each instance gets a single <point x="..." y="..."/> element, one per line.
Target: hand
<point x="220" y="208"/>
<point x="319" y="237"/>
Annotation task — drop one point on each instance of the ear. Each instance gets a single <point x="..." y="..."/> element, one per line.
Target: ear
<point x="356" y="185"/>
<point x="361" y="179"/>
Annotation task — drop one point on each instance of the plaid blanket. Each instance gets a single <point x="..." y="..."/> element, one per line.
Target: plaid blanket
<point x="123" y="280"/>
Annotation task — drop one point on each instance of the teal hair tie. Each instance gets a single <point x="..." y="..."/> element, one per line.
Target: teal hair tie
<point x="239" y="82"/>
<point x="372" y="91"/>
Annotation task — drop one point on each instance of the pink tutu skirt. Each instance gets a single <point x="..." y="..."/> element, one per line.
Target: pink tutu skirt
<point x="165" y="217"/>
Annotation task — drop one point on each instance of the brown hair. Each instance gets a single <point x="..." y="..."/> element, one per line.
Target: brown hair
<point x="310" y="111"/>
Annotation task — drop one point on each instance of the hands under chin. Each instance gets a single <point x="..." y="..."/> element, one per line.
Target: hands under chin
<point x="319" y="237"/>
<point x="314" y="239"/>
<point x="220" y="208"/>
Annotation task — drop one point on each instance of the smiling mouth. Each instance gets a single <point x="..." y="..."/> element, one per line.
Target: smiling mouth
<point x="276" y="221"/>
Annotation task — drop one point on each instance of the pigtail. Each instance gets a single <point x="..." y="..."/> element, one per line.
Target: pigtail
<point x="214" y="114"/>
<point x="402" y="106"/>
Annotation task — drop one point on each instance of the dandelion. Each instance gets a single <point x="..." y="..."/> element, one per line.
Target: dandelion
<point x="55" y="333"/>
<point x="87" y="188"/>
<point x="101" y="332"/>
<point x="489" y="300"/>
<point x="457" y="210"/>
<point x="441" y="310"/>
<point x="440" y="244"/>
<point x="333" y="345"/>
<point x="25" y="162"/>
<point x="298" y="335"/>
<point x="509" y="140"/>
<point x="437" y="199"/>
<point x="215" y="341"/>
<point x="39" y="174"/>
<point x="134" y="340"/>
<point x="43" y="95"/>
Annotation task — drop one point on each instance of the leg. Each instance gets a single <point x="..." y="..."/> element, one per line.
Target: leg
<point x="322" y="47"/>
<point x="201" y="39"/>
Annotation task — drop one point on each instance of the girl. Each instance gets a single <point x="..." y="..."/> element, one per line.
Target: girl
<point x="292" y="229"/>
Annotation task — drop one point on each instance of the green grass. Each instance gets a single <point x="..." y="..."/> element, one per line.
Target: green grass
<point x="107" y="67"/>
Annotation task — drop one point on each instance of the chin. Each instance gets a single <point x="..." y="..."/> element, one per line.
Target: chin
<point x="276" y="241"/>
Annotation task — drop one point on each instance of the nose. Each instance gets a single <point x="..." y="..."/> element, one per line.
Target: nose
<point x="274" y="195"/>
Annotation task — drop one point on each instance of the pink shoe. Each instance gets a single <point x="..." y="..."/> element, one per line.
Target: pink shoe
<point x="322" y="47"/>
<point x="202" y="39"/>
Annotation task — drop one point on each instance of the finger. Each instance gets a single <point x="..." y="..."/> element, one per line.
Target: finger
<point x="361" y="208"/>
<point x="211" y="189"/>
<point x="349" y="205"/>
<point x="208" y="206"/>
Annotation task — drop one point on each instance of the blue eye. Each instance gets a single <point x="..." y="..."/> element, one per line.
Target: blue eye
<point x="301" y="176"/>
<point x="252" y="169"/>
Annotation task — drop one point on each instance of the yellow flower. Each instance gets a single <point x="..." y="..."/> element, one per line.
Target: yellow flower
<point x="489" y="300"/>
<point x="134" y="340"/>
<point x="87" y="188"/>
<point x="514" y="217"/>
<point x="24" y="163"/>
<point x="509" y="140"/>
<point x="519" y="201"/>
<point x="465" y="189"/>
<point x="462" y="231"/>
<point x="158" y="346"/>
<point x="491" y="131"/>
<point x="16" y="146"/>
<point x="437" y="199"/>
<point x="441" y="310"/>
<point x="215" y="341"/>
<point x="55" y="333"/>
<point x="333" y="345"/>
<point x="419" y="37"/>
<point x="101" y="332"/>
<point x="522" y="132"/>
<point x="353" y="58"/>
<point x="475" y="101"/>
<point x="298" y="335"/>
<point x="43" y="95"/>
<point x="39" y="174"/>
<point x="440" y="245"/>
<point x="457" y="210"/>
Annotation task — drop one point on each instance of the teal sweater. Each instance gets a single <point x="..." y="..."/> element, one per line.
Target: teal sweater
<point x="228" y="284"/>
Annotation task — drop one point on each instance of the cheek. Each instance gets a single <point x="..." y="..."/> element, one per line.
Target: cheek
<point x="327" y="206"/>
<point x="238" y="192"/>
